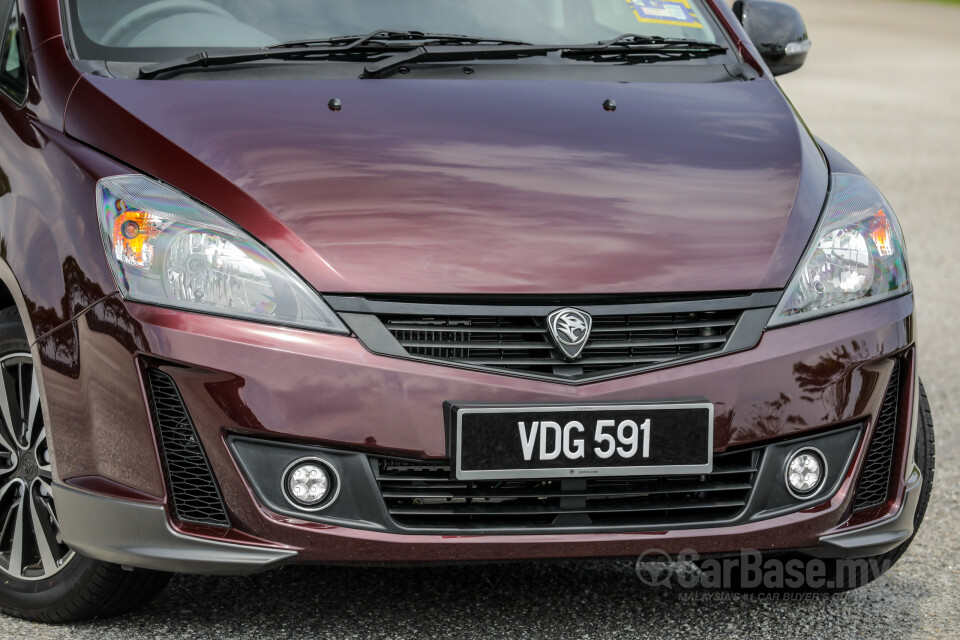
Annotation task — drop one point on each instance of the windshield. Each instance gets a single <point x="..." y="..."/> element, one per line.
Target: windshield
<point x="150" y="30"/>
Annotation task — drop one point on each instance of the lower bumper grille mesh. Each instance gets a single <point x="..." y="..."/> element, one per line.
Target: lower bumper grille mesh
<point x="423" y="495"/>
<point x="874" y="484"/>
<point x="194" y="493"/>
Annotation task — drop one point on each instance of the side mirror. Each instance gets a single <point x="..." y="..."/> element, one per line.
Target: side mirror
<point x="778" y="32"/>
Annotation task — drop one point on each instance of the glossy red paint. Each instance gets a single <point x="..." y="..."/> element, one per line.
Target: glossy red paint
<point x="41" y="22"/>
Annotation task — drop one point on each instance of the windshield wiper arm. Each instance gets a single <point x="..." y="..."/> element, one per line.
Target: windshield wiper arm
<point x="447" y="53"/>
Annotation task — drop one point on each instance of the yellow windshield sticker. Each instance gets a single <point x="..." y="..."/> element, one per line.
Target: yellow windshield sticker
<point x="677" y="13"/>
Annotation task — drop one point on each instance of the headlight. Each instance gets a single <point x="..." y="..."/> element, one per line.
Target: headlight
<point x="857" y="257"/>
<point x="167" y="249"/>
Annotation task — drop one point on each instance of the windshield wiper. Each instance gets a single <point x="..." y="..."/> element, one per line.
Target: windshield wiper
<point x="418" y="46"/>
<point x="625" y="45"/>
<point x="378" y="41"/>
<point x="631" y="44"/>
<point x="393" y="36"/>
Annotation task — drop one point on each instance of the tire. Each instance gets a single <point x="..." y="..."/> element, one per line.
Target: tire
<point x="55" y="585"/>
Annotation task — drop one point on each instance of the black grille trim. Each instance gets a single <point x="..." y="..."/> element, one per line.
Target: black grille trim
<point x="423" y="495"/>
<point x="194" y="493"/>
<point x="514" y="339"/>
<point x="524" y="345"/>
<point x="873" y="486"/>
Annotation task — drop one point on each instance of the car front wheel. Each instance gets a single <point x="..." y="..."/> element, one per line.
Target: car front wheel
<point x="41" y="578"/>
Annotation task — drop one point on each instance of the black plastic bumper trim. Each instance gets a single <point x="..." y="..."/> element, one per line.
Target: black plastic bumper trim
<point x="360" y="504"/>
<point x="139" y="535"/>
<point x="877" y="538"/>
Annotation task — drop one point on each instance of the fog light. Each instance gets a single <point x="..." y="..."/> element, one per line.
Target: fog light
<point x="310" y="484"/>
<point x="806" y="472"/>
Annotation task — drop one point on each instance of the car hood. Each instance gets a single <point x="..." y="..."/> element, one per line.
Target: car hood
<point x="470" y="187"/>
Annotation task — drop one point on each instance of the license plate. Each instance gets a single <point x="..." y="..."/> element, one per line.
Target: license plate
<point x="501" y="443"/>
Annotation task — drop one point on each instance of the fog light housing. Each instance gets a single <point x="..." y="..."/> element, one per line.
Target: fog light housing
<point x="806" y="473"/>
<point x="310" y="484"/>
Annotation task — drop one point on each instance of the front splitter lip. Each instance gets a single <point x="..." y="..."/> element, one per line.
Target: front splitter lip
<point x="878" y="537"/>
<point x="138" y="534"/>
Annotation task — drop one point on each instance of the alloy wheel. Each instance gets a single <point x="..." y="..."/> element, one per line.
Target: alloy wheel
<point x="31" y="547"/>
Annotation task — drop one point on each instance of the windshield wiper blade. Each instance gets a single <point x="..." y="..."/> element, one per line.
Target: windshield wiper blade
<point x="384" y="35"/>
<point x="377" y="41"/>
<point x="644" y="48"/>
<point x="632" y="39"/>
<point x="205" y="59"/>
<point x="632" y="44"/>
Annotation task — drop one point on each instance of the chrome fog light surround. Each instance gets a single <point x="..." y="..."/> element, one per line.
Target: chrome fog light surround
<point x="805" y="473"/>
<point x="310" y="484"/>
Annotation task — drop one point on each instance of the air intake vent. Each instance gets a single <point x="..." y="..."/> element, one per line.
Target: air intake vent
<point x="193" y="490"/>
<point x="874" y="484"/>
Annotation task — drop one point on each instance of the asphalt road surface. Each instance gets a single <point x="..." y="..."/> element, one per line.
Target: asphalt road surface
<point x="882" y="85"/>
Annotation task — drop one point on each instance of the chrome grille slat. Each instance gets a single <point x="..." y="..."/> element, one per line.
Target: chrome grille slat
<point x="642" y="344"/>
<point x="475" y="345"/>
<point x="505" y="330"/>
<point x="664" y="327"/>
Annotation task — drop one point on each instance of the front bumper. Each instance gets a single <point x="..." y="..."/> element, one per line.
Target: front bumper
<point x="267" y="383"/>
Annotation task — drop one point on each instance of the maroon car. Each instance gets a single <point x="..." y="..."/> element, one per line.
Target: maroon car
<point x="356" y="281"/>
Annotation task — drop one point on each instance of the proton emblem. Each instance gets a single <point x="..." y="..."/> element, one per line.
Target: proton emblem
<point x="570" y="329"/>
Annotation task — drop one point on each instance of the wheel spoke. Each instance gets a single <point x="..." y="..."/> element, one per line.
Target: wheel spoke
<point x="33" y="408"/>
<point x="48" y="503"/>
<point x="39" y="449"/>
<point x="9" y="408"/>
<point x="19" y="537"/>
<point x="3" y="494"/>
<point x="6" y="444"/>
<point x="43" y="534"/>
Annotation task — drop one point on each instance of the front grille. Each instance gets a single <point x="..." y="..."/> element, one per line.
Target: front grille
<point x="194" y="494"/>
<point x="423" y="495"/>
<point x="522" y="343"/>
<point x="874" y="484"/>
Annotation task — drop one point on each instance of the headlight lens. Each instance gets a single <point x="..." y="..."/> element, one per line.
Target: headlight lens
<point x="168" y="249"/>
<point x="858" y="257"/>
